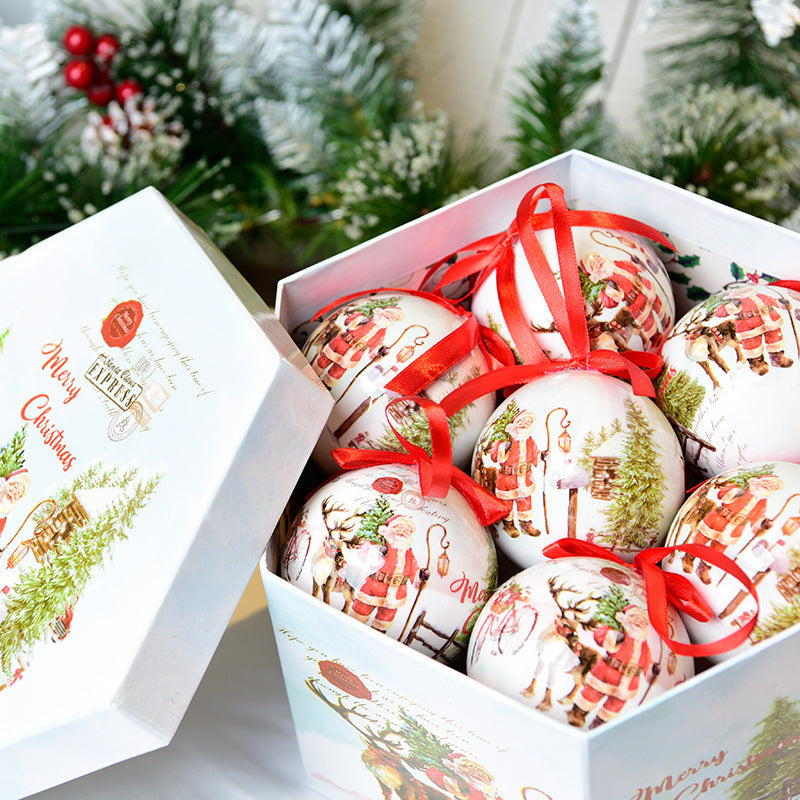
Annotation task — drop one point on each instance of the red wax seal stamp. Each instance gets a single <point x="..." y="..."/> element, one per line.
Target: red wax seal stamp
<point x="342" y="678"/>
<point x="120" y="326"/>
<point x="387" y="485"/>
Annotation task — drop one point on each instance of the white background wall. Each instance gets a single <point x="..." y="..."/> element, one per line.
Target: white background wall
<point x="469" y="51"/>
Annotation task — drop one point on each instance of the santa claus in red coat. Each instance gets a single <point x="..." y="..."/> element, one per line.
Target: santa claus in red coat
<point x="627" y="286"/>
<point x="737" y="508"/>
<point x="516" y="458"/>
<point x="386" y="589"/>
<point x="758" y="327"/>
<point x="616" y="676"/>
<point x="362" y="333"/>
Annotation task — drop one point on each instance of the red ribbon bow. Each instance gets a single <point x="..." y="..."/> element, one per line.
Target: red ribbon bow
<point x="436" y="472"/>
<point x="445" y="353"/>
<point x="496" y="254"/>
<point x="669" y="588"/>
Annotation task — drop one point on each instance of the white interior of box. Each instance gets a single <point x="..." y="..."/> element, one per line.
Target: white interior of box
<point x="401" y="257"/>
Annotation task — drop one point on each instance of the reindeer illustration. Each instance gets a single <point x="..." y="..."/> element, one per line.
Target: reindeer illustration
<point x="704" y="343"/>
<point x="615" y="333"/>
<point x="328" y="562"/>
<point x="559" y="648"/>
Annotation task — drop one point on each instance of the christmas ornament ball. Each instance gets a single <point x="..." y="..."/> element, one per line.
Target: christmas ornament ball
<point x="731" y="371"/>
<point x="358" y="348"/>
<point x="627" y="293"/>
<point x="572" y="638"/>
<point x="418" y="569"/>
<point x="579" y="455"/>
<point x="752" y="515"/>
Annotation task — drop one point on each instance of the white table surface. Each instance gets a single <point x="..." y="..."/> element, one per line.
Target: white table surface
<point x="236" y="741"/>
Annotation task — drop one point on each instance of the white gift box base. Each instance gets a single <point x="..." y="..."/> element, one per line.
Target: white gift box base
<point x="377" y="720"/>
<point x="132" y="352"/>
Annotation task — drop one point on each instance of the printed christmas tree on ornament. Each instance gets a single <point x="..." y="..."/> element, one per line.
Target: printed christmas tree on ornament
<point x="635" y="511"/>
<point x="377" y="516"/>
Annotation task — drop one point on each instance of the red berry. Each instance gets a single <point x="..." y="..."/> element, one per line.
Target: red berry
<point x="106" y="47"/>
<point x="78" y="40"/>
<point x="127" y="89"/>
<point x="79" y="73"/>
<point x="101" y="94"/>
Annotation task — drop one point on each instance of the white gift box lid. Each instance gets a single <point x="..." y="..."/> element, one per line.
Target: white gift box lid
<point x="163" y="416"/>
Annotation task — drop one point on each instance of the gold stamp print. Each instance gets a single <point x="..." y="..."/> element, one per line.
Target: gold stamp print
<point x="115" y="382"/>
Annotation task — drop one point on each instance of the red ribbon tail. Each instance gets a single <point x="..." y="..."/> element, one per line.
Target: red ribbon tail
<point x="487" y="507"/>
<point x="566" y="548"/>
<point x="793" y="285"/>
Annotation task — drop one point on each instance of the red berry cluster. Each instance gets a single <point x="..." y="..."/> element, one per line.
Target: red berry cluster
<point x="90" y="67"/>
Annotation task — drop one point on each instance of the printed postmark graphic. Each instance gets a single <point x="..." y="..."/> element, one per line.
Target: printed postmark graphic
<point x="116" y="383"/>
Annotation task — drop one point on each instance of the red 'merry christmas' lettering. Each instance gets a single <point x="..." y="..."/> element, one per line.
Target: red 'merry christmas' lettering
<point x="56" y="364"/>
<point x="36" y="410"/>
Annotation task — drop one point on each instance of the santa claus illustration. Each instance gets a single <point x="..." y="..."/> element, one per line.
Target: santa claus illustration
<point x="616" y="676"/>
<point x="463" y="779"/>
<point x="516" y="458"/>
<point x="13" y="488"/>
<point x="362" y="332"/>
<point x="758" y="327"/>
<point x="386" y="590"/>
<point x="628" y="288"/>
<point x="720" y="524"/>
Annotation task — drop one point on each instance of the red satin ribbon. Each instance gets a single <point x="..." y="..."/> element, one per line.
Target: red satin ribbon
<point x="794" y="285"/>
<point x="566" y="304"/>
<point x="436" y="472"/>
<point x="669" y="588"/>
<point x="638" y="368"/>
<point x="442" y="355"/>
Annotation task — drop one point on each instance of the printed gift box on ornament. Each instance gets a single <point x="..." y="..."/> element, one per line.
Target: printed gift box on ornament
<point x="145" y="392"/>
<point x="627" y="642"/>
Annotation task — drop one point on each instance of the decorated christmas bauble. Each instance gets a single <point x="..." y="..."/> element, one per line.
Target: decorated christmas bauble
<point x="626" y="291"/>
<point x="572" y="638"/>
<point x="579" y="455"/>
<point x="416" y="568"/>
<point x="752" y="515"/>
<point x="362" y="346"/>
<point x="731" y="369"/>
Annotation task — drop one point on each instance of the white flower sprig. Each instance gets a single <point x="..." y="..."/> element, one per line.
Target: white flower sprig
<point x="777" y="18"/>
